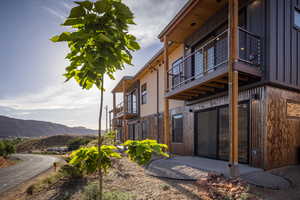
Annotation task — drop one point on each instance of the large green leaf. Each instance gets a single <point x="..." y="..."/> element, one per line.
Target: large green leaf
<point x="77" y="12"/>
<point x="102" y="6"/>
<point x="86" y="4"/>
<point x="73" y="21"/>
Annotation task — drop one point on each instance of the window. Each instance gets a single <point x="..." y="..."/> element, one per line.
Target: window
<point x="177" y="128"/>
<point x="297" y="18"/>
<point x="131" y="102"/>
<point x="144" y="93"/>
<point x="176" y="72"/>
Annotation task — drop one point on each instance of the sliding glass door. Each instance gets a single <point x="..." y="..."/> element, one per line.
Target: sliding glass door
<point x="212" y="133"/>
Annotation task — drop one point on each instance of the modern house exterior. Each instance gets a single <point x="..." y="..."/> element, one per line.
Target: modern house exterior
<point x="182" y="93"/>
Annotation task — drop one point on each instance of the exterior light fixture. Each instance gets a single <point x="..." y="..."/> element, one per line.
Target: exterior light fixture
<point x="242" y="48"/>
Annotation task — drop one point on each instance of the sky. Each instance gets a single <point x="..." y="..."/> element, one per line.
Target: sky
<point x="31" y="81"/>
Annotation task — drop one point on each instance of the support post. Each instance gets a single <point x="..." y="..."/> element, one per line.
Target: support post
<point x="110" y="127"/>
<point x="166" y="100"/>
<point x="124" y="110"/>
<point x="233" y="87"/>
<point x="114" y="111"/>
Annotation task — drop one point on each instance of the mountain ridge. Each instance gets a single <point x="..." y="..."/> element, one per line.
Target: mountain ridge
<point x="12" y="127"/>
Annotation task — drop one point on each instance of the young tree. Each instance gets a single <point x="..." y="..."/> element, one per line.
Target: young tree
<point x="99" y="45"/>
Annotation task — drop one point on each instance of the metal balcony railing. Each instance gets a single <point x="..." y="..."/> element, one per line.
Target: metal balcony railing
<point x="212" y="55"/>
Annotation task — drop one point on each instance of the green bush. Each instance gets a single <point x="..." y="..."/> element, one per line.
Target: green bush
<point x="86" y="158"/>
<point x="71" y="172"/>
<point x="141" y="152"/>
<point x="91" y="192"/>
<point x="6" y="148"/>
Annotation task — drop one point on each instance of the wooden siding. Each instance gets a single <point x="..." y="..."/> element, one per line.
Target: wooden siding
<point x="283" y="132"/>
<point x="283" y="43"/>
<point x="257" y="123"/>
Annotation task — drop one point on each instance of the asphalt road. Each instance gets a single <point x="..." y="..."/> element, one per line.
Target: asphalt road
<point x="31" y="166"/>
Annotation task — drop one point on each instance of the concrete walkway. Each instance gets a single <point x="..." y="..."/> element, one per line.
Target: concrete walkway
<point x="192" y="168"/>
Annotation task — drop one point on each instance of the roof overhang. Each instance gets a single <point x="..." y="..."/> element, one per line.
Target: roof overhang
<point x="190" y="18"/>
<point x="127" y="80"/>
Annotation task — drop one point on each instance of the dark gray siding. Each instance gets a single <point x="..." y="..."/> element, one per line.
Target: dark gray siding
<point x="255" y="22"/>
<point x="283" y="43"/>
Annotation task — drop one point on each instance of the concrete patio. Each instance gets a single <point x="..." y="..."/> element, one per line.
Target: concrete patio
<point x="192" y="168"/>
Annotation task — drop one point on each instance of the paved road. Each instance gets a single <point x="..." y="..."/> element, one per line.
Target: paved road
<point x="31" y="166"/>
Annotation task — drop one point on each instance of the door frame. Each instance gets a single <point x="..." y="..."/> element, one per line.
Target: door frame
<point x="217" y="108"/>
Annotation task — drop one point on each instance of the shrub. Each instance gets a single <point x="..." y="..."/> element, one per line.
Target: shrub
<point x="31" y="189"/>
<point x="141" y="151"/>
<point x="6" y="148"/>
<point x="86" y="158"/>
<point x="91" y="192"/>
<point x="71" y="172"/>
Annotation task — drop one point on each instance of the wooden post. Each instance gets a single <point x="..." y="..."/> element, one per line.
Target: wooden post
<point x="124" y="110"/>
<point x="233" y="86"/>
<point x="110" y="127"/>
<point x="114" y="111"/>
<point x="166" y="100"/>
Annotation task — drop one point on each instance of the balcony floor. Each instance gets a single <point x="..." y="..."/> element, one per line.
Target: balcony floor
<point x="214" y="82"/>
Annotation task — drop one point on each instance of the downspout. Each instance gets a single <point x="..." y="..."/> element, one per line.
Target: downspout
<point x="157" y="103"/>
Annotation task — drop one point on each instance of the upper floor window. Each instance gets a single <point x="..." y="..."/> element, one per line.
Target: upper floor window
<point x="176" y="72"/>
<point x="131" y="102"/>
<point x="297" y="18"/>
<point x="177" y="128"/>
<point x="144" y="93"/>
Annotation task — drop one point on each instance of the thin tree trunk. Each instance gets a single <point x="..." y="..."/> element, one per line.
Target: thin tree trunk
<point x="100" y="140"/>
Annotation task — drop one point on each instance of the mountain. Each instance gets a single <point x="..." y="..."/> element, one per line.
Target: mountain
<point x="11" y="127"/>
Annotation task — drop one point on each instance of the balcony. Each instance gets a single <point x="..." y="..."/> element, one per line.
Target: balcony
<point x="122" y="111"/>
<point x="117" y="122"/>
<point x="205" y="71"/>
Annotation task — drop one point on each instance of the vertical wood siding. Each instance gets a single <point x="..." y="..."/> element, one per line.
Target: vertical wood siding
<point x="283" y="132"/>
<point x="283" y="43"/>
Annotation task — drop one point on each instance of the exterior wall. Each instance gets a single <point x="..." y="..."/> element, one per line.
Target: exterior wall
<point x="257" y="123"/>
<point x="175" y="55"/>
<point x="283" y="50"/>
<point x="150" y="78"/>
<point x="283" y="132"/>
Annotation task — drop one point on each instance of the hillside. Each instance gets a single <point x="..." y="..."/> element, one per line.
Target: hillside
<point x="11" y="127"/>
<point x="43" y="143"/>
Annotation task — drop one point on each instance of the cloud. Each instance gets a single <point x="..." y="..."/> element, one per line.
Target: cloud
<point x="63" y="96"/>
<point x="151" y="17"/>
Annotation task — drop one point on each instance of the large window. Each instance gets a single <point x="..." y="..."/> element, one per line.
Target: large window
<point x="177" y="128"/>
<point x="131" y="102"/>
<point x="297" y="18"/>
<point x="144" y="93"/>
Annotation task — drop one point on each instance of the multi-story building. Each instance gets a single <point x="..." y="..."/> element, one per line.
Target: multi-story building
<point x="185" y="85"/>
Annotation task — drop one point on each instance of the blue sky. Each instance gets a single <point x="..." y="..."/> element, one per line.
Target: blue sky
<point x="32" y="85"/>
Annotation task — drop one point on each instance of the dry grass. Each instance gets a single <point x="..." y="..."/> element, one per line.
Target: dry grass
<point x="6" y="162"/>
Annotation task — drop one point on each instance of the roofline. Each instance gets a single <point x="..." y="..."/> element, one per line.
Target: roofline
<point x="175" y="18"/>
<point x="156" y="55"/>
<point x="124" y="78"/>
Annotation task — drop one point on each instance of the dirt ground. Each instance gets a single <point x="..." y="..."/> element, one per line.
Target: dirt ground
<point x="7" y="162"/>
<point x="131" y="178"/>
